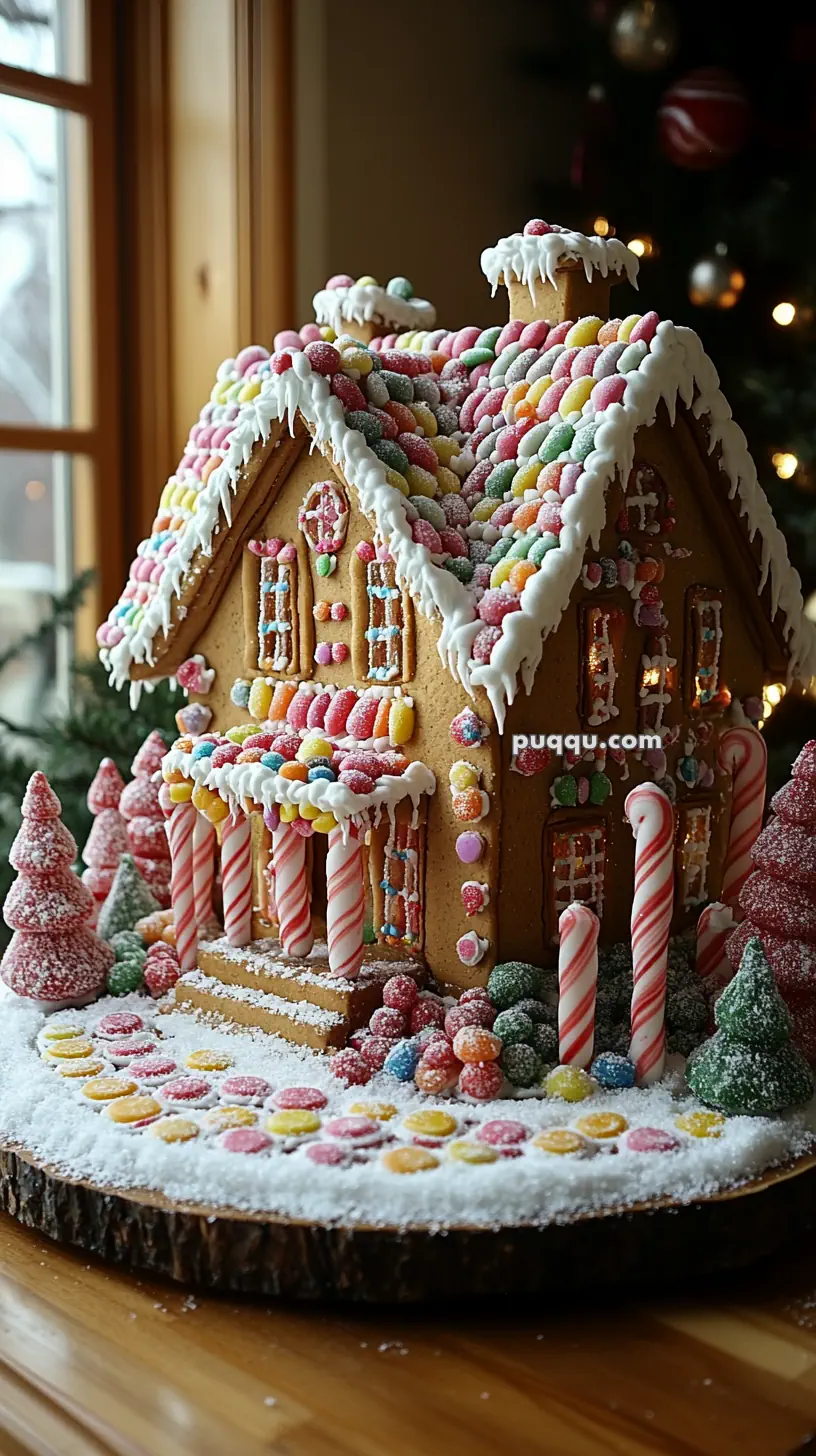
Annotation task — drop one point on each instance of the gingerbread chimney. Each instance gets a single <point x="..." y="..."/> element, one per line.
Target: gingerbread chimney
<point x="554" y="274"/>
<point x="366" y="310"/>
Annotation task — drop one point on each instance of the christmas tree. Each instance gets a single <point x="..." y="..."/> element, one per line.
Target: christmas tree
<point x="128" y="901"/>
<point x="108" y="836"/>
<point x="54" y="956"/>
<point x="146" y="833"/>
<point x="779" y="898"/>
<point x="750" y="1065"/>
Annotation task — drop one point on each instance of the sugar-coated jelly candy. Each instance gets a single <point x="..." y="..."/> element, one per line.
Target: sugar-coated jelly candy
<point x="572" y="1084"/>
<point x="105" y="1089"/>
<point x="601" y="1125"/>
<point x="293" y="1123"/>
<point x="305" y="1099"/>
<point x="429" y="1122"/>
<point x="327" y="1155"/>
<point x="560" y="1140"/>
<point x="462" y="1150"/>
<point x="221" y="1119"/>
<point x="651" y="1140"/>
<point x="245" y="1140"/>
<point x="409" y="1160"/>
<point x="379" y="1111"/>
<point x="135" y="1111"/>
<point x="174" y="1129"/>
<point x="701" y="1124"/>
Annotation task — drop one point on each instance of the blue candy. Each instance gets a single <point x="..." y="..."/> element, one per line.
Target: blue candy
<point x="402" y="1060"/>
<point x="203" y="750"/>
<point x="610" y="1069"/>
<point x="239" y="692"/>
<point x="322" y="772"/>
<point x="272" y="760"/>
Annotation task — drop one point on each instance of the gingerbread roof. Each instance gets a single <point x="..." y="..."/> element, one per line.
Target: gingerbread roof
<point x="456" y="443"/>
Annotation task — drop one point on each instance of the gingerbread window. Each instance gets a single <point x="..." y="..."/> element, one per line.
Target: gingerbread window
<point x="576" y="867"/>
<point x="386" y="622"/>
<point x="694" y="843"/>
<point x="704" y="650"/>
<point x="276" y="638"/>
<point x="602" y="637"/>
<point x="648" y="507"/>
<point x="402" y="909"/>
<point x="657" y="682"/>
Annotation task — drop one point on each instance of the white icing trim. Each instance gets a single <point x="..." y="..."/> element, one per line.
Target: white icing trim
<point x="362" y="303"/>
<point x="235" y="782"/>
<point x="535" y="258"/>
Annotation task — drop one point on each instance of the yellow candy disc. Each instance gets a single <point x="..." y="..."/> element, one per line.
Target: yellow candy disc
<point x="222" y="1119"/>
<point x="409" y="1160"/>
<point x="132" y="1109"/>
<point x="105" y="1089"/>
<point x="701" y="1124"/>
<point x="174" y="1129"/>
<point x="464" y="1151"/>
<point x="377" y="1111"/>
<point x="559" y="1140"/>
<point x="602" y="1124"/>
<point x="72" y="1049"/>
<point x="430" y="1122"/>
<point x="293" y="1122"/>
<point x="60" y="1031"/>
<point x="84" y="1068"/>
<point x="208" y="1061"/>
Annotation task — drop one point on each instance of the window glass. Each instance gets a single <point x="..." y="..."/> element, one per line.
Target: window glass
<point x="46" y="36"/>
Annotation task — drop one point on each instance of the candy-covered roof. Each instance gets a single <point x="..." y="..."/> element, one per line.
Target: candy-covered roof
<point x="363" y="300"/>
<point x="483" y="459"/>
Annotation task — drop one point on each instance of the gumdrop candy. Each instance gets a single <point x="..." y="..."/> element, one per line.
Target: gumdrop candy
<point x="400" y="993"/>
<point x="467" y="727"/>
<point x="348" y="1066"/>
<point x="482" y="1081"/>
<point x="402" y="1060"/>
<point x="512" y="982"/>
<point x="612" y="1070"/>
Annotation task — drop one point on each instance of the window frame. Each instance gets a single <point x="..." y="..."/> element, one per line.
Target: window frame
<point x="683" y="813"/>
<point x="570" y="825"/>
<point x="722" y="697"/>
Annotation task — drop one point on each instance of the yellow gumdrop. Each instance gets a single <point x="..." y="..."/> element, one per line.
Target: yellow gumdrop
<point x="559" y="1140"/>
<point x="241" y="731"/>
<point x="448" y="481"/>
<point x="404" y="341"/>
<point x="400" y="722"/>
<point x="463" y="775"/>
<point x="324" y="823"/>
<point x="377" y="1111"/>
<point x="189" y="500"/>
<point x="293" y="1122"/>
<point x="584" y="332"/>
<point x="207" y="1060"/>
<point x="174" y="1129"/>
<point x="538" y="389"/>
<point x="627" y="326"/>
<point x="309" y="811"/>
<point x="398" y="481"/>
<point x="430" y="1122"/>
<point x="525" y="478"/>
<point x="327" y="333"/>
<point x="260" y="698"/>
<point x="223" y="1119"/>
<point x="314" y="748"/>
<point x="409" y="1160"/>
<point x="367" y="281"/>
<point x="181" y="793"/>
<point x="358" y="359"/>
<point x="484" y="508"/>
<point x="425" y="417"/>
<point x="701" y="1124"/>
<point x="249" y="391"/>
<point x="420" y="481"/>
<point x="500" y="572"/>
<point x="572" y="1084"/>
<point x="600" y="1125"/>
<point x="289" y="813"/>
<point x="464" y="1151"/>
<point x="445" y="447"/>
<point x="576" y="396"/>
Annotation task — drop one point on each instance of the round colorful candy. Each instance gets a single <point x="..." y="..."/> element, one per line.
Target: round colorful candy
<point x="292" y="1125"/>
<point x="72" y="1049"/>
<point x="349" y="1067"/>
<point x="88" y="1067"/>
<point x="207" y="1060"/>
<point x="513" y="981"/>
<point x="400" y="993"/>
<point x="105" y="1089"/>
<point x="353" y="1131"/>
<point x="503" y="1133"/>
<point x="152" y="1071"/>
<point x="701" y="1124"/>
<point x="476" y="1044"/>
<point x="462" y="1150"/>
<point x="409" y="1160"/>
<point x="612" y="1070"/>
<point x="650" y="1140"/>
<point x="428" y="1126"/>
<point x="379" y="1111"/>
<point x="560" y="1140"/>
<point x="175" y="1129"/>
<point x="245" y="1140"/>
<point x="221" y="1119"/>
<point x="327" y="1155"/>
<point x="188" y="1092"/>
<point x="482" y="1081"/>
<point x="402" y="1060"/>
<point x="572" y="1084"/>
<point x="244" y="1089"/>
<point x="301" y="1099"/>
<point x="602" y="1125"/>
<point x="133" y="1112"/>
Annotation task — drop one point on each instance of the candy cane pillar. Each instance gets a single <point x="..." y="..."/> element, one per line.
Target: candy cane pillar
<point x="180" y="828"/>
<point x="236" y="877"/>
<point x="650" y="814"/>
<point x="345" y="903"/>
<point x="203" y="869"/>
<point x="292" y="891"/>
<point x="713" y="929"/>
<point x="577" y="984"/>
<point x="743" y="754"/>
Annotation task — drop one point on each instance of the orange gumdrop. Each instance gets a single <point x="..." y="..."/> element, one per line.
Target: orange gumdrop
<point x="176" y="523"/>
<point x="646" y="570"/>
<point x="281" y="698"/>
<point x="438" y="361"/>
<point x="550" y="476"/>
<point x="212" y="463"/>
<point x="297" y="771"/>
<point x="525" y="410"/>
<point x="250" y="755"/>
<point x="402" y="417"/>
<point x="468" y="805"/>
<point x="380" y="729"/>
<point x="169" y="933"/>
<point x="515" y="393"/>
<point x="151" y="927"/>
<point x="526" y="514"/>
<point x="608" y="332"/>
<point x="434" y="1079"/>
<point x="520" y="575"/>
<point x="476" y="1044"/>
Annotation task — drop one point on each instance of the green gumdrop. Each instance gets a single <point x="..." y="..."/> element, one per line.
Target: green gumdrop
<point x="506" y="358"/>
<point x="388" y="451"/>
<point x="536" y="1010"/>
<point x="499" y="550"/>
<point x="500" y="479"/>
<point x="400" y="288"/>
<point x="127" y="941"/>
<point x="125" y="976"/>
<point x="460" y="567"/>
<point x="545" y="1041"/>
<point x="369" y="427"/>
<point x="325" y="564"/>
<point x="584" y="442"/>
<point x="521" y="1065"/>
<point x="399" y="386"/>
<point x="520" y="548"/>
<point x="558" y="440"/>
<point x="472" y="358"/>
<point x="541" y="546"/>
<point x="513" y="981"/>
<point x="429" y="510"/>
<point x="513" y="1026"/>
<point x="566" y="790"/>
<point x="600" y="787"/>
<point x="488" y="338"/>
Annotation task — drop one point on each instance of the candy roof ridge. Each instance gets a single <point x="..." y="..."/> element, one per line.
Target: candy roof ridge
<point x="535" y="257"/>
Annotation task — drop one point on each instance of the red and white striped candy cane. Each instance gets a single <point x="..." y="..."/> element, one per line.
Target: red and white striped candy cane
<point x="180" y="827"/>
<point x="577" y="984"/>
<point x="236" y="877"/>
<point x="203" y="869"/>
<point x="292" y="891"/>
<point x="650" y="814"/>
<point x="742" y="753"/>
<point x="713" y="929"/>
<point x="345" y="903"/>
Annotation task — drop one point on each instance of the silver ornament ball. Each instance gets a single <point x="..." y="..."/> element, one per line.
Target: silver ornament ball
<point x="644" y="34"/>
<point x="714" y="281"/>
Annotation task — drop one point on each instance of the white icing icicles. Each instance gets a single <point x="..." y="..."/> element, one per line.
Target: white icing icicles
<point x="534" y="258"/>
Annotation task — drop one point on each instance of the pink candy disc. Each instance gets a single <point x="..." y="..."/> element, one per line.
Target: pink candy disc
<point x="152" y="1070"/>
<point x="119" y="1023"/>
<point x="124" y="1051"/>
<point x="502" y="1132"/>
<point x="650" y="1140"/>
<point x="244" y="1089"/>
<point x="358" y="1131"/>
<point x="245" y="1140"/>
<point x="305" y="1099"/>
<point x="188" y="1091"/>
<point x="328" y="1155"/>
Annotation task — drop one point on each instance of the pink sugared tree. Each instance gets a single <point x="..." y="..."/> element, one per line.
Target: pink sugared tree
<point x="139" y="806"/>
<point x="53" y="956"/>
<point x="108" y="837"/>
<point x="779" y="898"/>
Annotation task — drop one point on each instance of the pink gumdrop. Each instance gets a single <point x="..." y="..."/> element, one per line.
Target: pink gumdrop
<point x="298" y="711"/>
<point x="340" y="651"/>
<point x="551" y="398"/>
<point x="484" y="642"/>
<point x="286" y="339"/>
<point x="452" y="542"/>
<point x="608" y="391"/>
<point x="350" y="394"/>
<point x="281" y="361"/>
<point x="467" y="414"/>
<point x="510" y="334"/>
<point x="338" y="711"/>
<point x="221" y="435"/>
<point x="504" y="514"/>
<point x="310" y="334"/>
<point x="645" y="328"/>
<point x="650" y="1140"/>
<point x="323" y="654"/>
<point x="323" y="358"/>
<point x="304" y="1099"/>
<point x="558" y="333"/>
<point x="419" y="452"/>
<point x="426" y="535"/>
<point x="253" y="354"/>
<point x="482" y="371"/>
<point x="594" y="574"/>
<point x="495" y="606"/>
<point x="469" y="847"/>
<point x="584" y="361"/>
<point x="318" y="706"/>
<point x="568" y="482"/>
<point x="607" y="361"/>
<point x="157" y="571"/>
<point x="326" y="1155"/>
<point x="536" y="228"/>
<point x="304" y="828"/>
<point x="445" y="345"/>
<point x="362" y="717"/>
<point x="365" y="551"/>
<point x="338" y="611"/>
<point x="340" y="280"/>
<point x="464" y="339"/>
<point x="502" y="1132"/>
<point x="245" y="1087"/>
<point x="549" y="518"/>
<point x="533" y="335"/>
<point x="563" y="364"/>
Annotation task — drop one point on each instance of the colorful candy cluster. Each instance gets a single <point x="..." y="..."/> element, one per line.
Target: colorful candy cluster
<point x="138" y="966"/>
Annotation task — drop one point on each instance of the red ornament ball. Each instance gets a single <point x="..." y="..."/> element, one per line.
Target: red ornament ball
<point x="703" y="119"/>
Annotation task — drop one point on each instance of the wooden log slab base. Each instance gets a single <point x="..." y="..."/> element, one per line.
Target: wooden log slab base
<point x="211" y="1248"/>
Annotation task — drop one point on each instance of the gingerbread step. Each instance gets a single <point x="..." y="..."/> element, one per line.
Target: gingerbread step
<point x="297" y="1021"/>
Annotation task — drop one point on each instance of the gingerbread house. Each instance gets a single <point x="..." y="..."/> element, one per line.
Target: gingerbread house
<point x="440" y="599"/>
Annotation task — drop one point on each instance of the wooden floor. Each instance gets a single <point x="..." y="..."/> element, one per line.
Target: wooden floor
<point x="94" y="1362"/>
